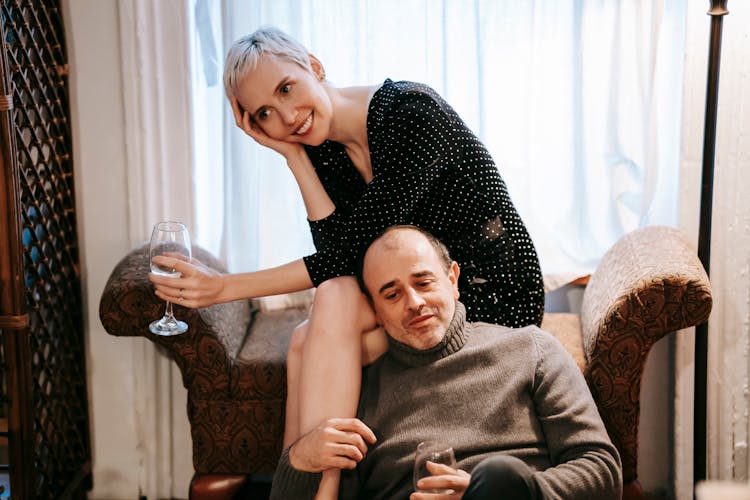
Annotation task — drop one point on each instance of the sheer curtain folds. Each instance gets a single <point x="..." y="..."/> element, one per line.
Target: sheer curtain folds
<point x="579" y="103"/>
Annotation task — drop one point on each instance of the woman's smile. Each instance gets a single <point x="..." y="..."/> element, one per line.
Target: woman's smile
<point x="306" y="126"/>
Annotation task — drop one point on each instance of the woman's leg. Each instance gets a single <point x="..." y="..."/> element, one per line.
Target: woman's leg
<point x="330" y="372"/>
<point x="293" y="364"/>
<point x="374" y="345"/>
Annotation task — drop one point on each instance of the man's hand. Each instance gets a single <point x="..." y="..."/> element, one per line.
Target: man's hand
<point x="338" y="443"/>
<point x="445" y="478"/>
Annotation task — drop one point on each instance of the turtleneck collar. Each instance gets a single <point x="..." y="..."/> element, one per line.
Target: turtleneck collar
<point x="454" y="339"/>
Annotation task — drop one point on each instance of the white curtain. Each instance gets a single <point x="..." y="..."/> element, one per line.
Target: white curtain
<point x="154" y="57"/>
<point x="579" y="103"/>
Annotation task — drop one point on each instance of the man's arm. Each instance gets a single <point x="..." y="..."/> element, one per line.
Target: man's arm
<point x="289" y="482"/>
<point x="338" y="443"/>
<point x="585" y="462"/>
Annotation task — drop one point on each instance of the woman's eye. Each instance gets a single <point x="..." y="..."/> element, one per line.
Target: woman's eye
<point x="285" y="89"/>
<point x="263" y="114"/>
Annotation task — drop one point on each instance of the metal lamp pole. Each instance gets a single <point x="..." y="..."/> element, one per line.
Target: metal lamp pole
<point x="717" y="11"/>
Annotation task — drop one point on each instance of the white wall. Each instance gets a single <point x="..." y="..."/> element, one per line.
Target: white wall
<point x="101" y="197"/>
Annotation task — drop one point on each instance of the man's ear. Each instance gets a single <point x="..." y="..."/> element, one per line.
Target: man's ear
<point x="453" y="272"/>
<point x="317" y="67"/>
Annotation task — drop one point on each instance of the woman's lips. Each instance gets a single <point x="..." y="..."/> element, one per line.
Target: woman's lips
<point x="306" y="125"/>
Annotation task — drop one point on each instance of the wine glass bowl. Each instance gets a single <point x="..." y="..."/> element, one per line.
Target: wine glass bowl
<point x="173" y="240"/>
<point x="431" y="451"/>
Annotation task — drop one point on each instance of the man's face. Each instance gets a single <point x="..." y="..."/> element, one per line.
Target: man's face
<point x="414" y="297"/>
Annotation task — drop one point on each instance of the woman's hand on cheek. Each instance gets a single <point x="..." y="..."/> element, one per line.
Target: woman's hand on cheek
<point x="247" y="125"/>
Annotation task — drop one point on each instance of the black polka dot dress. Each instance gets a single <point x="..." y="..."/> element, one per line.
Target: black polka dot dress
<point x="429" y="170"/>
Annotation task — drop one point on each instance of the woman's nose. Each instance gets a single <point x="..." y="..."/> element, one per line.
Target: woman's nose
<point x="289" y="115"/>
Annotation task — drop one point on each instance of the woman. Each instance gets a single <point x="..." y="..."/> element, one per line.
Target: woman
<point x="364" y="158"/>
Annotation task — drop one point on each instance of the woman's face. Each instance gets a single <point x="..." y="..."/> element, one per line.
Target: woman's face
<point x="287" y="101"/>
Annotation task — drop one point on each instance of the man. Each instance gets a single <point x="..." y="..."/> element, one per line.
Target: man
<point x="511" y="402"/>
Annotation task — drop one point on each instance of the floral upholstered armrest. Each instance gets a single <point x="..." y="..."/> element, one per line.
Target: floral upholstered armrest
<point x="215" y="334"/>
<point x="648" y="284"/>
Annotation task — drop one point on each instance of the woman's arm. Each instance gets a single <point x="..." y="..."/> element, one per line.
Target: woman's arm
<point x="200" y="286"/>
<point x="317" y="202"/>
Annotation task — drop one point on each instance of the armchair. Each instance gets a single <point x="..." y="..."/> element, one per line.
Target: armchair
<point x="232" y="361"/>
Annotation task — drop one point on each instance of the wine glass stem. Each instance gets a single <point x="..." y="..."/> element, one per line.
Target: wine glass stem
<point x="168" y="313"/>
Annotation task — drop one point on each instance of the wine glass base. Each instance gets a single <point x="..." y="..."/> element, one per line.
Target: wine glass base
<point x="167" y="328"/>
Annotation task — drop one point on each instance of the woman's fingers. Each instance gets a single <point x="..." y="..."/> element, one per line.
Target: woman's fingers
<point x="180" y="264"/>
<point x="242" y="118"/>
<point x="244" y="122"/>
<point x="197" y="285"/>
<point x="179" y="256"/>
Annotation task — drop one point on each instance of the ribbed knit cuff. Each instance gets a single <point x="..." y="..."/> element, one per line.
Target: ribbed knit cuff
<point x="289" y="482"/>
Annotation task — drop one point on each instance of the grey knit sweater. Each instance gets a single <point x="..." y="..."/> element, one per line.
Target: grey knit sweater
<point x="485" y="389"/>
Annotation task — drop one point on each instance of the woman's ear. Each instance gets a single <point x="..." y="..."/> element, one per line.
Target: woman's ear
<point x="317" y="68"/>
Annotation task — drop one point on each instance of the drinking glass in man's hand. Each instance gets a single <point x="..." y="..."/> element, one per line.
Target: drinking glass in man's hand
<point x="430" y="451"/>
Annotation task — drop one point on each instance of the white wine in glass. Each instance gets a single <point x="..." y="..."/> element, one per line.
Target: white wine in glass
<point x="173" y="240"/>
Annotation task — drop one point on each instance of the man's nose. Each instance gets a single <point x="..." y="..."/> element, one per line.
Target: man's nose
<point x="414" y="301"/>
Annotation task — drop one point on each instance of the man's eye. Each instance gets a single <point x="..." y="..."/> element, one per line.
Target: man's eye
<point x="390" y="296"/>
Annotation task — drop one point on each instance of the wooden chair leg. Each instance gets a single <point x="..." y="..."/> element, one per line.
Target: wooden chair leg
<point x="216" y="486"/>
<point x="632" y="490"/>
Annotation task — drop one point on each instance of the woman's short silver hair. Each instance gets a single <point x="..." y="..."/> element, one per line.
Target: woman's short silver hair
<point x="244" y="54"/>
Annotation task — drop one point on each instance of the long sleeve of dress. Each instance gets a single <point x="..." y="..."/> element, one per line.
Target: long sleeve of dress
<point x="587" y="463"/>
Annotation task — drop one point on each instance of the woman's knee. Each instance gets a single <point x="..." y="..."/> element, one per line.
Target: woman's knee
<point x="502" y="475"/>
<point x="297" y="343"/>
<point x="339" y="301"/>
<point x="336" y="290"/>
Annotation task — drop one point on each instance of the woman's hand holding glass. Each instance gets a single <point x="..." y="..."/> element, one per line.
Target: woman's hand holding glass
<point x="168" y="238"/>
<point x="197" y="286"/>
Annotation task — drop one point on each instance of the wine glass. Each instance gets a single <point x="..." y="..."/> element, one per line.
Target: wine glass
<point x="431" y="451"/>
<point x="171" y="239"/>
